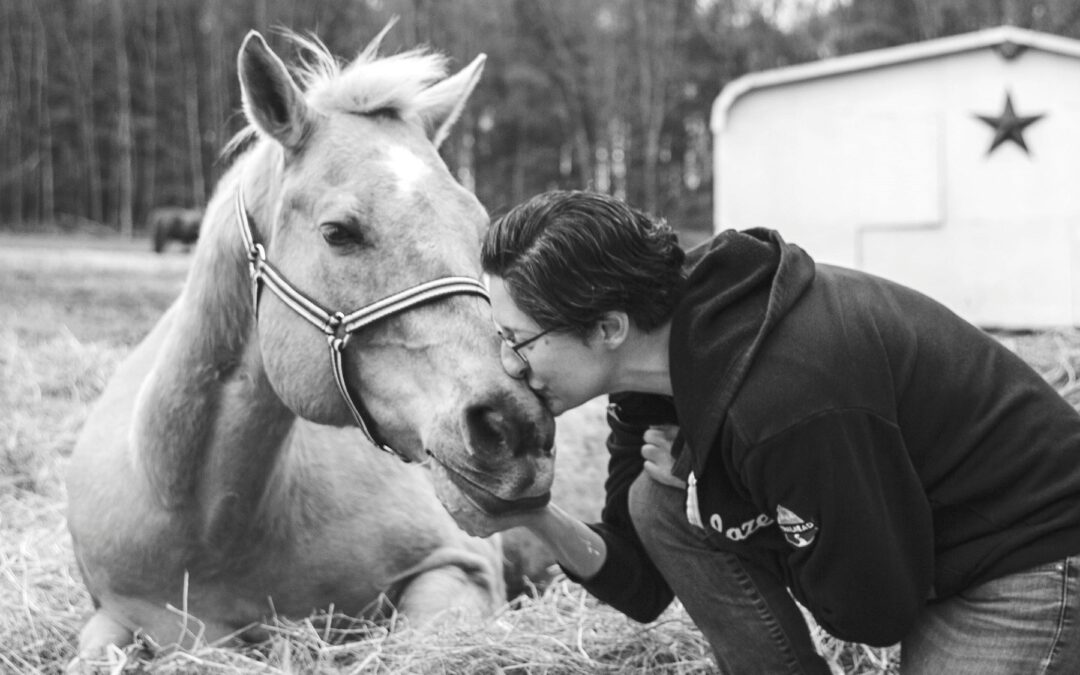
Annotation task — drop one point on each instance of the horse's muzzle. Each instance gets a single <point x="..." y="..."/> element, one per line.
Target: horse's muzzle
<point x="474" y="486"/>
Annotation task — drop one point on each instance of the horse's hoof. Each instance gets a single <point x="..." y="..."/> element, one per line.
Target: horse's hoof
<point x="109" y="660"/>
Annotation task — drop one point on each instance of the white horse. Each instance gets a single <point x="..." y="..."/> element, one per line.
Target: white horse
<point x="232" y="470"/>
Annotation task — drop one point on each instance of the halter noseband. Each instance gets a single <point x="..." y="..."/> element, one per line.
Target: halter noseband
<point x="337" y="326"/>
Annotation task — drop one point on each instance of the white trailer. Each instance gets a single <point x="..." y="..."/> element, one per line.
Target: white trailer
<point x="952" y="166"/>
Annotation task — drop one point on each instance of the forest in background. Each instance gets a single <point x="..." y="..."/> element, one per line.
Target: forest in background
<point x="110" y="108"/>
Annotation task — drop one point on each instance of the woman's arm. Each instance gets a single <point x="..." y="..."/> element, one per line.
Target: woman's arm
<point x="579" y="549"/>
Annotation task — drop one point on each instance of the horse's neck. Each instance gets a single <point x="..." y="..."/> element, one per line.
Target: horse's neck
<point x="208" y="425"/>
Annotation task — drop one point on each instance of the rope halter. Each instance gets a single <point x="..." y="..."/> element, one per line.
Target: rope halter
<point x="338" y="327"/>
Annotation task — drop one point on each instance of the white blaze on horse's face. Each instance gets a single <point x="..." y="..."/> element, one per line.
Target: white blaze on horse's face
<point x="365" y="207"/>
<point x="409" y="169"/>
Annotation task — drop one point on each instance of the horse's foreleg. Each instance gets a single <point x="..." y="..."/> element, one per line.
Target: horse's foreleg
<point x="99" y="632"/>
<point x="443" y="593"/>
<point x="452" y="582"/>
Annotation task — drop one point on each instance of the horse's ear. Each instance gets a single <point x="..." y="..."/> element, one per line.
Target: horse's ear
<point x="441" y="104"/>
<point x="272" y="101"/>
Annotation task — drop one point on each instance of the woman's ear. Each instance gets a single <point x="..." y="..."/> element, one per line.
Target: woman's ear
<point x="613" y="329"/>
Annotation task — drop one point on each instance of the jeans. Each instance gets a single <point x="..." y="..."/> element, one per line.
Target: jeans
<point x="1021" y="624"/>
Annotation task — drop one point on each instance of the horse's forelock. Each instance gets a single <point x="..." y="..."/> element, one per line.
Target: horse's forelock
<point x="394" y="83"/>
<point x="369" y="83"/>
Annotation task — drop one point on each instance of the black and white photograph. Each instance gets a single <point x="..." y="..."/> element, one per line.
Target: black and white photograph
<point x="410" y="337"/>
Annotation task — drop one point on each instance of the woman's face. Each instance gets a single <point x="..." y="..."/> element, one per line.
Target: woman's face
<point x="563" y="369"/>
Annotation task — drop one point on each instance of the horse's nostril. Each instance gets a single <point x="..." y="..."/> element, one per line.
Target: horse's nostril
<point x="488" y="430"/>
<point x="500" y="427"/>
<point x="482" y="426"/>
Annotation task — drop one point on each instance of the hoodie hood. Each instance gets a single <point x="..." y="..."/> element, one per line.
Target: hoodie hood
<point x="740" y="285"/>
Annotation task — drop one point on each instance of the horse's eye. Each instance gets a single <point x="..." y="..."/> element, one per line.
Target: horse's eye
<point x="337" y="234"/>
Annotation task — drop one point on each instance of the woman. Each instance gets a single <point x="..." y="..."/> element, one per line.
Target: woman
<point x="842" y="440"/>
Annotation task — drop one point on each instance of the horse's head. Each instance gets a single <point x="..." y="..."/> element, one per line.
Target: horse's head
<point x="348" y="195"/>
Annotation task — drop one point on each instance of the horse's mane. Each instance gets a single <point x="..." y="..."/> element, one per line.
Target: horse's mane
<point x="397" y="85"/>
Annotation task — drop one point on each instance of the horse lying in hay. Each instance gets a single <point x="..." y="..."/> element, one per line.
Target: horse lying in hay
<point x="174" y="223"/>
<point x="232" y="470"/>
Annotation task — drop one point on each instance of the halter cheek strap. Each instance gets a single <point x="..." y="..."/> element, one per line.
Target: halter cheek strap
<point x="337" y="326"/>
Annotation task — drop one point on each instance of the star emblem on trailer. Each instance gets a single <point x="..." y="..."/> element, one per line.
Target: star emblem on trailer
<point x="1008" y="126"/>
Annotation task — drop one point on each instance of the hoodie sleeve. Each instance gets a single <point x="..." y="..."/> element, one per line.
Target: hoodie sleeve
<point x="628" y="580"/>
<point x="856" y="521"/>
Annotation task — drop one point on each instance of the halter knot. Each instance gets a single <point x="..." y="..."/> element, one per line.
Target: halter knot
<point x="337" y="343"/>
<point x="334" y="325"/>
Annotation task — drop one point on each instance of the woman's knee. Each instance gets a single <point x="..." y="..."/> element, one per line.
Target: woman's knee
<point x="656" y="510"/>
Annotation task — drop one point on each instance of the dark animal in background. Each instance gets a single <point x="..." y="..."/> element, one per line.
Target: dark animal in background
<point x="174" y="223"/>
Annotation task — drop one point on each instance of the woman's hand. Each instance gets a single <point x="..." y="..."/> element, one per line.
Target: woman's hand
<point x="657" y="453"/>
<point x="575" y="546"/>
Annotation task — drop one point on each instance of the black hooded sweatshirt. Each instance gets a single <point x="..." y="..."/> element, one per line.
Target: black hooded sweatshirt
<point x="856" y="438"/>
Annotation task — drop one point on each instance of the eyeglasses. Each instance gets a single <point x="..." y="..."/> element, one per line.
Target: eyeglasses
<point x="516" y="347"/>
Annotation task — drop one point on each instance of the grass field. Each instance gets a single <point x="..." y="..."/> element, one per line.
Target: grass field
<point x="69" y="311"/>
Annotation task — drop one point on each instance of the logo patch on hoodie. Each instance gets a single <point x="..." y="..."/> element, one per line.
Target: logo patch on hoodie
<point x="798" y="532"/>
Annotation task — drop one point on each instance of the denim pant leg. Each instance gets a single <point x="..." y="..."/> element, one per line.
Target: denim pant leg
<point x="747" y="615"/>
<point x="1025" y="623"/>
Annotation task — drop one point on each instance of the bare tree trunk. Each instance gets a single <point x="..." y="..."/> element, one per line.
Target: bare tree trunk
<point x="150" y="151"/>
<point x="1010" y="13"/>
<point x="23" y="101"/>
<point x="13" y="175"/>
<point x="124" y="129"/>
<point x="607" y="97"/>
<point x="47" y="184"/>
<point x="9" y="153"/>
<point x="217" y="86"/>
<point x="262" y="20"/>
<point x="518" y="173"/>
<point x="35" y="101"/>
<point x="77" y="62"/>
<point x="466" y="152"/>
<point x="189" y="60"/>
<point x="421" y="22"/>
<point x="655" y="35"/>
<point x="617" y="134"/>
<point x="91" y="169"/>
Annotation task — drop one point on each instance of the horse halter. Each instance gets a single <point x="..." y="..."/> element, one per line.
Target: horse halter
<point x="338" y="327"/>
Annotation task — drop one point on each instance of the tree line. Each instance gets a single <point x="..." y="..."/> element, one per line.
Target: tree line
<point x="110" y="108"/>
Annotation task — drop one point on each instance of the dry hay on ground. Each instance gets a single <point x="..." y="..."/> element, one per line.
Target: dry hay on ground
<point x="561" y="631"/>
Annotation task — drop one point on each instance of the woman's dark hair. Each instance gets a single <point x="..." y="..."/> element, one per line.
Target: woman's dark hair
<point x="568" y="257"/>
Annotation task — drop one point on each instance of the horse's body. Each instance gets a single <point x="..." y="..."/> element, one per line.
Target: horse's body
<point x="174" y="223"/>
<point x="219" y="479"/>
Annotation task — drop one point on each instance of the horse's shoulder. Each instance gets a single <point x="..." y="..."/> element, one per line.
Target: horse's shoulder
<point x="336" y="464"/>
